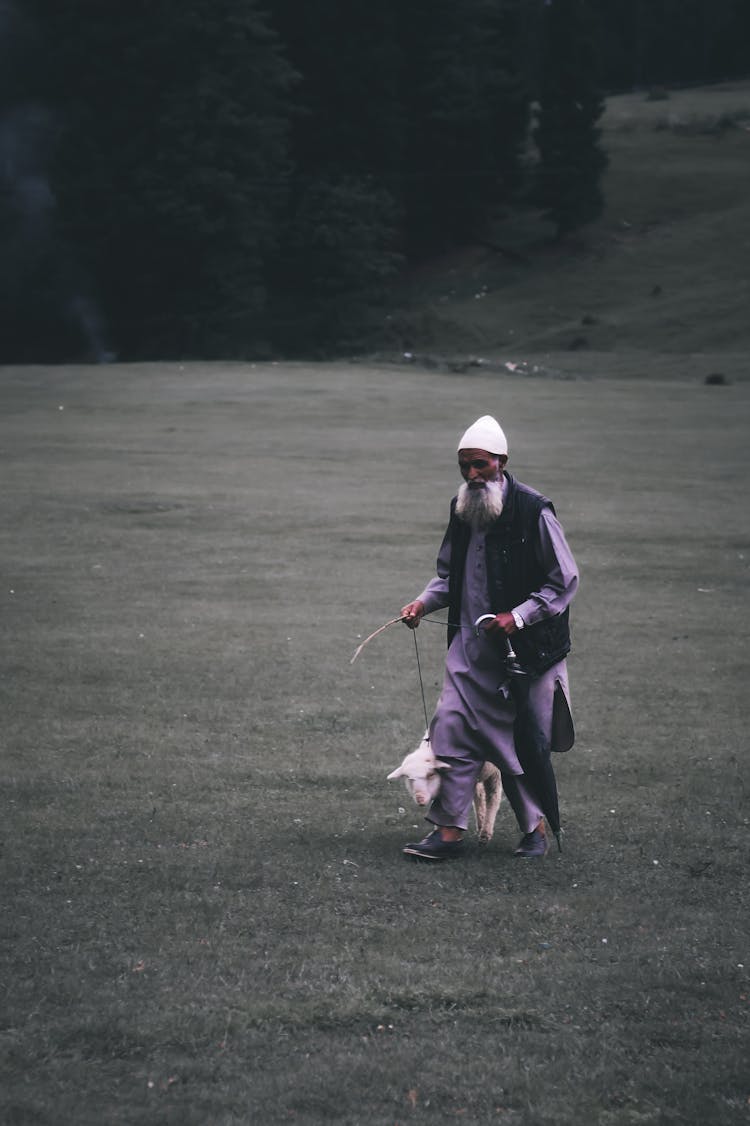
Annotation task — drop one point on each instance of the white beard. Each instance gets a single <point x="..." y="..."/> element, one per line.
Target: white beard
<point x="480" y="507"/>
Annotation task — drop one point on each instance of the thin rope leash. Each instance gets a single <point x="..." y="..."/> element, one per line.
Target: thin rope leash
<point x="421" y="687"/>
<point x="425" y="618"/>
<point x="433" y="622"/>
<point x="393" y="622"/>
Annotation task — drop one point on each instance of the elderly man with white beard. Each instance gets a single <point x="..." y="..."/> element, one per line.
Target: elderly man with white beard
<point x="504" y="557"/>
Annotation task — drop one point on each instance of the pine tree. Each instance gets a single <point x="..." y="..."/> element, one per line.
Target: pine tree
<point x="422" y="101"/>
<point x="171" y="165"/>
<point x="660" y="42"/>
<point x="336" y="256"/>
<point x="467" y="112"/>
<point x="571" y="161"/>
<point x="30" y="309"/>
<point x="339" y="235"/>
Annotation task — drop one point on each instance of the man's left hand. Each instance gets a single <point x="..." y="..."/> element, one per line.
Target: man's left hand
<point x="502" y="623"/>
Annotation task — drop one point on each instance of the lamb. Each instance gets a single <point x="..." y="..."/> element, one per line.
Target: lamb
<point x="421" y="772"/>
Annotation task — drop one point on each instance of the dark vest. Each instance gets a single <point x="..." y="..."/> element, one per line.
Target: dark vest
<point x="513" y="573"/>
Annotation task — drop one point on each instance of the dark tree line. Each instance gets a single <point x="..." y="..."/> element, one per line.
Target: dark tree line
<point x="567" y="184"/>
<point x="166" y="156"/>
<point x="672" y="42"/>
<point x="226" y="177"/>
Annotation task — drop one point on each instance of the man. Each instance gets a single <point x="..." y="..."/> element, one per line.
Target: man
<point x="504" y="556"/>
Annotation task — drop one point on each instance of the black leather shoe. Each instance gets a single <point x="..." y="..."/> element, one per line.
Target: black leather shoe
<point x="532" y="846"/>
<point x="433" y="847"/>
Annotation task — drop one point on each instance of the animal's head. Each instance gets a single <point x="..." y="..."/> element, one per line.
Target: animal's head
<point x="422" y="773"/>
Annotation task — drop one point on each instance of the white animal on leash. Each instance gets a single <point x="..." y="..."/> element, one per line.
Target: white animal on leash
<point x="422" y="774"/>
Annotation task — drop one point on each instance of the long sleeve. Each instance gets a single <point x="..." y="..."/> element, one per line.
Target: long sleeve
<point x="560" y="569"/>
<point x="435" y="594"/>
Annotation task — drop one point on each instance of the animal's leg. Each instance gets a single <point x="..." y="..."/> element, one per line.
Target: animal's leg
<point x="480" y="811"/>
<point x="492" y="785"/>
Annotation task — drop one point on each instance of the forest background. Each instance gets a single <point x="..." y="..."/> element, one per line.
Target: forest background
<point x="220" y="179"/>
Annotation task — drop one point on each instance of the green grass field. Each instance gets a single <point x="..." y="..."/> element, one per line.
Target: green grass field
<point x="207" y="916"/>
<point x="207" y="919"/>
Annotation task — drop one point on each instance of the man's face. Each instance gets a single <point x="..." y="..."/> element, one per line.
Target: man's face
<point x="478" y="467"/>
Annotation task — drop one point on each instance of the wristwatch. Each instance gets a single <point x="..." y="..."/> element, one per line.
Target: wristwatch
<point x="518" y="619"/>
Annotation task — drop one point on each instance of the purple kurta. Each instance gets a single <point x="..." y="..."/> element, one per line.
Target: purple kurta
<point x="474" y="717"/>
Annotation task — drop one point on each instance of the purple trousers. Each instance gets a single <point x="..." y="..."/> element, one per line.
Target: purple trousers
<point x="459" y="739"/>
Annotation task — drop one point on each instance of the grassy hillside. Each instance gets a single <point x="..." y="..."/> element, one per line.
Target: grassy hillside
<point x="665" y="270"/>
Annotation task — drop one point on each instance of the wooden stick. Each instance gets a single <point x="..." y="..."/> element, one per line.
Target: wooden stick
<point x="375" y="634"/>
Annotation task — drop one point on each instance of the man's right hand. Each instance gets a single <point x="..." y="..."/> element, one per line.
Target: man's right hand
<point x="412" y="613"/>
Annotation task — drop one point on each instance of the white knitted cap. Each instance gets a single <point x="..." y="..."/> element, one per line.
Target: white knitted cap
<point x="485" y="434"/>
